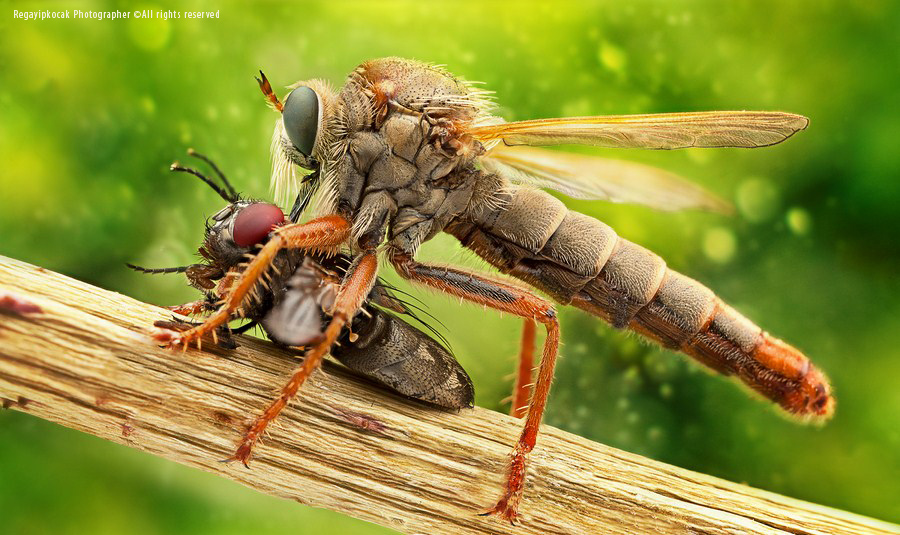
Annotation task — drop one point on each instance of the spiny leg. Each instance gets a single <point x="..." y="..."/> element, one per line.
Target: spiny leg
<point x="524" y="374"/>
<point x="514" y="300"/>
<point x="319" y="234"/>
<point x="354" y="290"/>
<point x="193" y="308"/>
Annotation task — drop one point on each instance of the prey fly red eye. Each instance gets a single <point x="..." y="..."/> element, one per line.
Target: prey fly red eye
<point x="255" y="222"/>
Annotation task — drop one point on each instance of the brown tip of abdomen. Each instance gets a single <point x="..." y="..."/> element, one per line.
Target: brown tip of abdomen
<point x="806" y="392"/>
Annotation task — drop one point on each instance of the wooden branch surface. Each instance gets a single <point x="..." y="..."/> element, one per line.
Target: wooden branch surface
<point x="81" y="356"/>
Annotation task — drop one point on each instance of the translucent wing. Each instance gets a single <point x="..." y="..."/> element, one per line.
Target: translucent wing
<point x="656" y="131"/>
<point x="296" y="319"/>
<point x="590" y="177"/>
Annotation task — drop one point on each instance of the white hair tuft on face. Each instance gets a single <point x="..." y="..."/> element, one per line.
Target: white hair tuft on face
<point x="284" y="183"/>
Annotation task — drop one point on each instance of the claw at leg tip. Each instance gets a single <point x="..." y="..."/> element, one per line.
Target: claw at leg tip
<point x="504" y="512"/>
<point x="236" y="457"/>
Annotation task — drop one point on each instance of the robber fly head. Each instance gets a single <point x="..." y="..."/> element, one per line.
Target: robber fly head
<point x="300" y="133"/>
<point x="312" y="117"/>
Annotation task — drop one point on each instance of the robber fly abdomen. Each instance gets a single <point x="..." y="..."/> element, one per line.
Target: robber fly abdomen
<point x="581" y="261"/>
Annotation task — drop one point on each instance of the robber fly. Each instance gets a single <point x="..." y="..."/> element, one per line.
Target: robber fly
<point x="405" y="150"/>
<point x="291" y="305"/>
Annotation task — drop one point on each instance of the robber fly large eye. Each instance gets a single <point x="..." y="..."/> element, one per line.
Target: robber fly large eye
<point x="301" y="118"/>
<point x="255" y="222"/>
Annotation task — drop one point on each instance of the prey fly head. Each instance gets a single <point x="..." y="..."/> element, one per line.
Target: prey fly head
<point x="230" y="234"/>
<point x="237" y="229"/>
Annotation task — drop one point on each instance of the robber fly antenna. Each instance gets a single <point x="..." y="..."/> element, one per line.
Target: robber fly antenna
<point x="179" y="269"/>
<point x="228" y="187"/>
<point x="229" y="196"/>
<point x="266" y="88"/>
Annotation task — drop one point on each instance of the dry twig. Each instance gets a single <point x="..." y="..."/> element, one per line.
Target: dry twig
<point x="81" y="356"/>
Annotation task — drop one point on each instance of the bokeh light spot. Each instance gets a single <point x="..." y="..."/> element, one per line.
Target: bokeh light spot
<point x="799" y="221"/>
<point x="185" y="134"/>
<point x="719" y="244"/>
<point x="149" y="34"/>
<point x="757" y="199"/>
<point x="148" y="105"/>
<point x="666" y="390"/>
<point x="612" y="57"/>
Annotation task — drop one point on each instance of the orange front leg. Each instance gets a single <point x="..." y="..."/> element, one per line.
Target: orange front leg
<point x="514" y="300"/>
<point x="354" y="290"/>
<point x="319" y="235"/>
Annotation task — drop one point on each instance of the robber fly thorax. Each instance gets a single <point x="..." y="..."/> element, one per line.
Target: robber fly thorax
<point x="429" y="178"/>
<point x="405" y="150"/>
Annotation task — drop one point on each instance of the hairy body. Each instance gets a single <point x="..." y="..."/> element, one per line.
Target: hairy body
<point x="405" y="150"/>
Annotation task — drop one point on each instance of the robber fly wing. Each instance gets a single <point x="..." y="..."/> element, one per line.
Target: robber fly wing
<point x="655" y="131"/>
<point x="594" y="178"/>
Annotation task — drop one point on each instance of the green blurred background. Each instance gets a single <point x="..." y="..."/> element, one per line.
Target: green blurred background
<point x="93" y="112"/>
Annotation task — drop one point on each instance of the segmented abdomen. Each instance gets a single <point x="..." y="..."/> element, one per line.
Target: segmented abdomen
<point x="406" y="359"/>
<point x="581" y="261"/>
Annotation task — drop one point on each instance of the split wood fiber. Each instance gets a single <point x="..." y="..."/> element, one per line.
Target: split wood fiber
<point x="82" y="356"/>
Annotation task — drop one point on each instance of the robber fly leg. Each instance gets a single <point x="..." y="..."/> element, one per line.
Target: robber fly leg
<point x="524" y="374"/>
<point x="319" y="235"/>
<point x="191" y="309"/>
<point x="513" y="300"/>
<point x="351" y="296"/>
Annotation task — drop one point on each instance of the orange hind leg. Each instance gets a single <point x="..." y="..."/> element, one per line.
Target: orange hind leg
<point x="514" y="300"/>
<point x="524" y="373"/>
